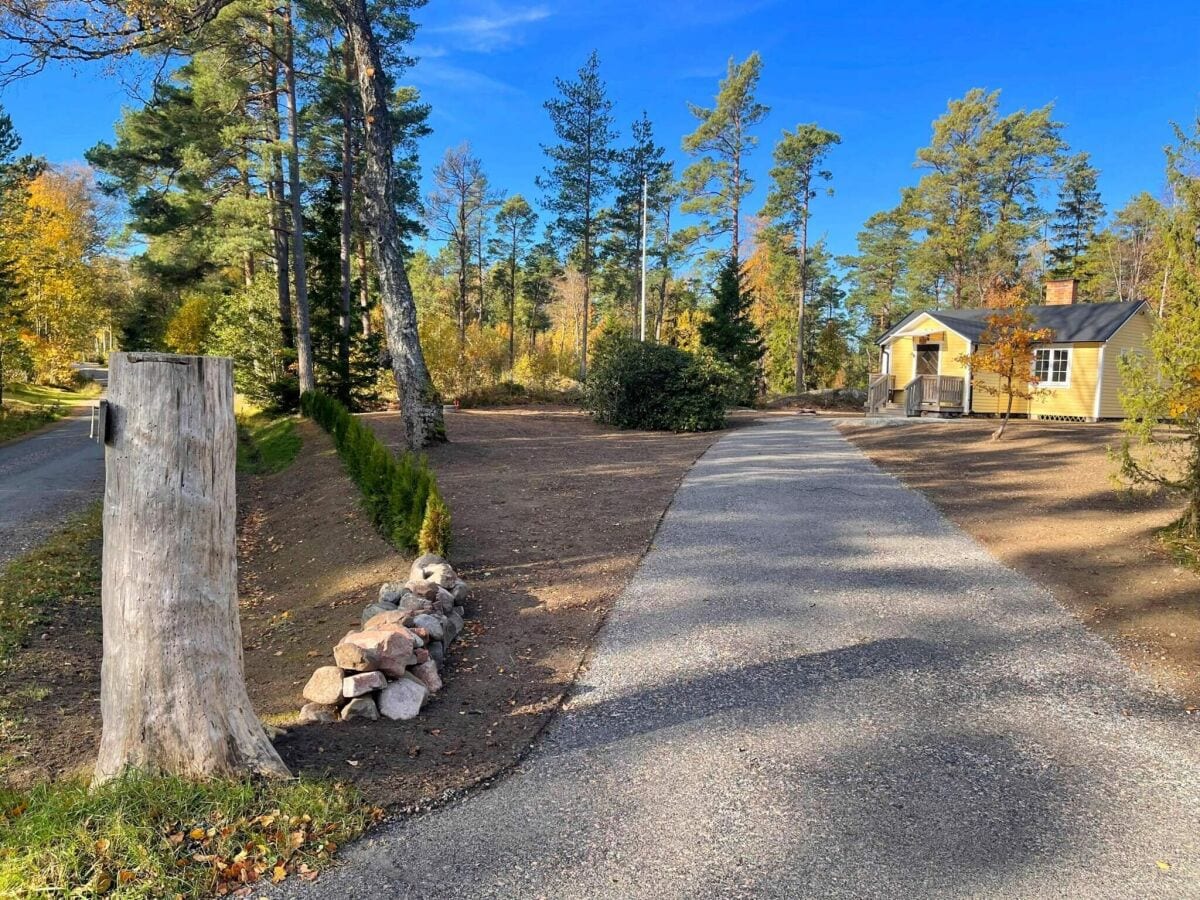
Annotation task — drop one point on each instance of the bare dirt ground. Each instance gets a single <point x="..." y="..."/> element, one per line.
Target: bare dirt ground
<point x="551" y="515"/>
<point x="1045" y="502"/>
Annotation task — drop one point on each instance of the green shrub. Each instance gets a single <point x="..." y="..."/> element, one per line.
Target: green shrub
<point x="400" y="493"/>
<point x="435" y="530"/>
<point x="633" y="384"/>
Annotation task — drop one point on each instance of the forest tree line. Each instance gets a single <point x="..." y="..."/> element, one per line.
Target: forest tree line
<point x="246" y="181"/>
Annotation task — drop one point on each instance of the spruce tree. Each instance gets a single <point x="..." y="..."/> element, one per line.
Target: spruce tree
<point x="1078" y="213"/>
<point x="728" y="333"/>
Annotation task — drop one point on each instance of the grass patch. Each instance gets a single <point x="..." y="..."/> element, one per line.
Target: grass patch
<point x="266" y="445"/>
<point x="45" y="395"/>
<point x="15" y="421"/>
<point x="1184" y="549"/>
<point x="28" y="407"/>
<point x="139" y="836"/>
<point x="65" y="569"/>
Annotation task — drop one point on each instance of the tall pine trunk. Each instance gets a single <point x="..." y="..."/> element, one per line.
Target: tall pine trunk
<point x="364" y="286"/>
<point x="479" y="259"/>
<point x="802" y="300"/>
<point x="304" y="358"/>
<point x="464" y="264"/>
<point x="275" y="193"/>
<point x="344" y="249"/>
<point x="420" y="406"/>
<point x="512" y="306"/>
<point x="665" y="263"/>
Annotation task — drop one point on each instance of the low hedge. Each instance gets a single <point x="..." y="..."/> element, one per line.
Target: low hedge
<point x="636" y="384"/>
<point x="400" y="492"/>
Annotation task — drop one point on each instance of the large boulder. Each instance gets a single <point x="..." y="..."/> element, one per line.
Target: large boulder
<point x="361" y="708"/>
<point x="426" y="590"/>
<point x="376" y="609"/>
<point x="453" y="627"/>
<point x="441" y="574"/>
<point x="317" y="713"/>
<point x="402" y="699"/>
<point x="427" y="674"/>
<point x="391" y="592"/>
<point x="387" y="650"/>
<point x="437" y="652"/>
<point x="432" y="624"/>
<point x="429" y="559"/>
<point x="395" y="620"/>
<point x="325" y="686"/>
<point x="362" y="683"/>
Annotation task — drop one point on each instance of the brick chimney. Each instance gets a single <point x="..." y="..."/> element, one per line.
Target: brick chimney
<point x="1061" y="292"/>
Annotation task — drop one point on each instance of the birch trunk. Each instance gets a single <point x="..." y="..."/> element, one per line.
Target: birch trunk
<point x="172" y="690"/>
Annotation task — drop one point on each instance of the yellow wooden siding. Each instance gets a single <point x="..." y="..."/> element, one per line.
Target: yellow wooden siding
<point x="903" y="353"/>
<point x="985" y="402"/>
<point x="953" y="347"/>
<point x="1077" y="398"/>
<point x="1130" y="338"/>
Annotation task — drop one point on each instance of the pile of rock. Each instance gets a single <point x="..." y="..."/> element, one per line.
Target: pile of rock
<point x="393" y="663"/>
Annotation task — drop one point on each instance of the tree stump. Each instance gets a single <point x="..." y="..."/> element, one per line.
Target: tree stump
<point x="172" y="689"/>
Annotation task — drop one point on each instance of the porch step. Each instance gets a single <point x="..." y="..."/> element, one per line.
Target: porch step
<point x="890" y="410"/>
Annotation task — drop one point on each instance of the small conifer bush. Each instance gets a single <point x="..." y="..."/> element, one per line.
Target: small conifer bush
<point x="400" y="492"/>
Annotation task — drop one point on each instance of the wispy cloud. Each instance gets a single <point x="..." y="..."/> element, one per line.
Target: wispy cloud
<point x="447" y="76"/>
<point x="486" y="32"/>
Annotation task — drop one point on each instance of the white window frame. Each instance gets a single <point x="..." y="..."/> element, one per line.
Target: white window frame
<point x="1050" y="349"/>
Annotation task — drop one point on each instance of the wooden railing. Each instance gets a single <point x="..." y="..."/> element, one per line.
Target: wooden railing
<point x="913" y="393"/>
<point x="879" y="391"/>
<point x="934" y="393"/>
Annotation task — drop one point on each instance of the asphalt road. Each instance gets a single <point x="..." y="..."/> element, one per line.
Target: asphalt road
<point x="45" y="478"/>
<point x="815" y="686"/>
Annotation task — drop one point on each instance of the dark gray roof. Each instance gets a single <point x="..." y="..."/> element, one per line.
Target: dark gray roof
<point x="1077" y="322"/>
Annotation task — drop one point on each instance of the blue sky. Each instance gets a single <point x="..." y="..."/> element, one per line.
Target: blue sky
<point x="876" y="72"/>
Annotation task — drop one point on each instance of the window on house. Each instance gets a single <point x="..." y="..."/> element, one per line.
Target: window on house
<point x="1052" y="366"/>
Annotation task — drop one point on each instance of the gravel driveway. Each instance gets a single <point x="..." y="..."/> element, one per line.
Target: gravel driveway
<point x="43" y="479"/>
<point x="817" y="687"/>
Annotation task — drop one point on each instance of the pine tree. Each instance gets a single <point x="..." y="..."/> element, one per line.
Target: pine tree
<point x="718" y="182"/>
<point x="977" y="202"/>
<point x="729" y="333"/>
<point x="1078" y="213"/>
<point x="879" y="272"/>
<point x="515" y="220"/>
<point x="456" y="202"/>
<point x="580" y="174"/>
<point x="798" y="159"/>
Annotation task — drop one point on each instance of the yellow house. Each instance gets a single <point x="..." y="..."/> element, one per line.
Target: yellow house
<point x="1077" y="372"/>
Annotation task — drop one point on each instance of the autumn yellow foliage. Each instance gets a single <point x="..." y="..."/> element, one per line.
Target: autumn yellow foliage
<point x="54" y="243"/>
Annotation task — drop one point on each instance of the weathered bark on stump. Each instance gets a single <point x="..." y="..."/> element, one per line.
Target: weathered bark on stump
<point x="172" y="690"/>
